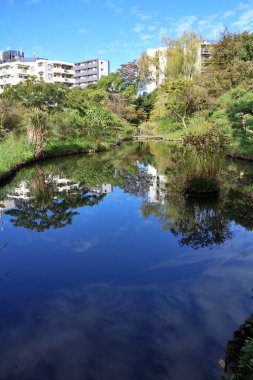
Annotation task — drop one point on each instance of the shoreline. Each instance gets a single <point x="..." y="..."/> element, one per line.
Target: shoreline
<point x="7" y="175"/>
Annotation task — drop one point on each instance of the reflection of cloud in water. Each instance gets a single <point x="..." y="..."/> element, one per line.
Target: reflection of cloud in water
<point x="82" y="245"/>
<point x="235" y="251"/>
<point x="121" y="231"/>
<point x="147" y="332"/>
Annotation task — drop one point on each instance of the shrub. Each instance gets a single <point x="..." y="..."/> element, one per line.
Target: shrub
<point x="11" y="117"/>
<point x="198" y="161"/>
<point x="38" y="130"/>
<point x="245" y="363"/>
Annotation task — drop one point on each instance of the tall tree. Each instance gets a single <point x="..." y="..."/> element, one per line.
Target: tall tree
<point x="182" y="56"/>
<point x="47" y="97"/>
<point x="111" y="83"/>
<point x="130" y="74"/>
<point x="145" y="73"/>
<point x="179" y="99"/>
<point x="232" y="58"/>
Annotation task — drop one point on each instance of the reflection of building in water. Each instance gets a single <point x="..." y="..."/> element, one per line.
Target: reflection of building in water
<point x="105" y="188"/>
<point x="22" y="193"/>
<point x="5" y="205"/>
<point x="61" y="184"/>
<point x="156" y="193"/>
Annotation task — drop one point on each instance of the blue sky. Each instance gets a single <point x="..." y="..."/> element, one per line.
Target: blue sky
<point x="117" y="30"/>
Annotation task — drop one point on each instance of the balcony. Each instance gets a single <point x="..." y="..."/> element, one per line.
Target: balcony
<point x="11" y="81"/>
<point x="60" y="70"/>
<point x="64" y="80"/>
<point x="205" y="52"/>
<point x="86" y="66"/>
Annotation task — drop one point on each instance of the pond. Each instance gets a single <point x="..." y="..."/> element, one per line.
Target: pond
<point x="107" y="273"/>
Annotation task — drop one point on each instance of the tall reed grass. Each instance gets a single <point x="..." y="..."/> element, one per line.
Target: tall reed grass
<point x="198" y="162"/>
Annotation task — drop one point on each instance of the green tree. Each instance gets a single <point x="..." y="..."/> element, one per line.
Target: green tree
<point x="129" y="73"/>
<point x="182" y="56"/>
<point x="76" y="99"/>
<point x="232" y="58"/>
<point x="179" y="102"/>
<point x="11" y="117"/>
<point x="239" y="108"/>
<point x="47" y="97"/>
<point x="111" y="83"/>
<point x="147" y="102"/>
<point x="145" y="73"/>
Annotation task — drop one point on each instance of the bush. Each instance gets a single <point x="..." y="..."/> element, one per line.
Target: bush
<point x="245" y="364"/>
<point x="198" y="162"/>
<point x="11" y="117"/>
<point x="202" y="185"/>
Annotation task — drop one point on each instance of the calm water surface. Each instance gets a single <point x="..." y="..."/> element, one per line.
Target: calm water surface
<point x="107" y="274"/>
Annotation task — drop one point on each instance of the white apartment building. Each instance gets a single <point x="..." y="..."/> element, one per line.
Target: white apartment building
<point x="89" y="72"/>
<point x="12" y="73"/>
<point x="160" y="57"/>
<point x="158" y="70"/>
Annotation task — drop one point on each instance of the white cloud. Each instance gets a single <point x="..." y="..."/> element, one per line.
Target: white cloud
<point x="101" y="51"/>
<point x="145" y="37"/>
<point x="113" y="6"/>
<point x="138" y="28"/>
<point x="33" y="2"/>
<point x="228" y="14"/>
<point x="243" y="5"/>
<point x="184" y="23"/>
<point x="140" y="15"/>
<point x="82" y="246"/>
<point x="152" y="28"/>
<point x="245" y="21"/>
<point x="82" y="31"/>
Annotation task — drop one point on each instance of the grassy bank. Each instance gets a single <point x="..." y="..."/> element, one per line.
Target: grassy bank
<point x="16" y="151"/>
<point x="40" y="119"/>
<point x="239" y="147"/>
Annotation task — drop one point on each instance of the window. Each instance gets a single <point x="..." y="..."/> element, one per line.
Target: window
<point x="102" y="69"/>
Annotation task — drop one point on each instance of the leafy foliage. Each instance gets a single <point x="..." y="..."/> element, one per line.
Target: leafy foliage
<point x="11" y="117"/>
<point x="199" y="160"/>
<point x="38" y="130"/>
<point x="182" y="55"/>
<point x="47" y="97"/>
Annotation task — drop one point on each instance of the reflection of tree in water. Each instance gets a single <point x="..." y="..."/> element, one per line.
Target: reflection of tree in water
<point x="136" y="183"/>
<point x="47" y="207"/>
<point x="197" y="223"/>
<point x="238" y="206"/>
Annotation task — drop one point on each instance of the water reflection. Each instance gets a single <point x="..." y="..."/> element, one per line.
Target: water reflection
<point x="196" y="223"/>
<point x="52" y="193"/>
<point x="125" y="332"/>
<point x="49" y="201"/>
<point x="120" y="292"/>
